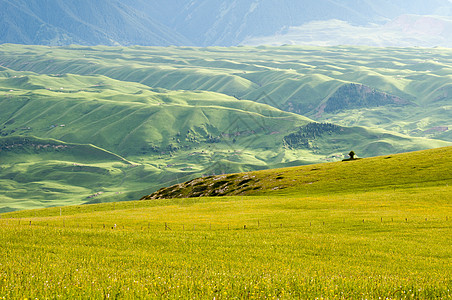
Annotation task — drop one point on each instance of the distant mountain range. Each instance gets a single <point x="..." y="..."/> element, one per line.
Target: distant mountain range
<point x="223" y="22"/>
<point x="84" y="22"/>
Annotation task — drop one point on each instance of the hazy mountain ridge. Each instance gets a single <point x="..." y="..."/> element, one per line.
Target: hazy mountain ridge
<point x="56" y="22"/>
<point x="196" y="22"/>
<point x="228" y="23"/>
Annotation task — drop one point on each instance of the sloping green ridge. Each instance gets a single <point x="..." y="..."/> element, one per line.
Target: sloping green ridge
<point x="30" y="145"/>
<point x="132" y="128"/>
<point x="416" y="169"/>
<point x="36" y="172"/>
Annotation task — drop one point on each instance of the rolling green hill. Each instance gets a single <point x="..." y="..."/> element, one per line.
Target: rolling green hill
<point x="373" y="228"/>
<point x="37" y="172"/>
<point x="417" y="169"/>
<point x="296" y="79"/>
<point x="173" y="114"/>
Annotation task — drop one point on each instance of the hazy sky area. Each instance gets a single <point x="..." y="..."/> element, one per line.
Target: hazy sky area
<point x="227" y="22"/>
<point x="404" y="31"/>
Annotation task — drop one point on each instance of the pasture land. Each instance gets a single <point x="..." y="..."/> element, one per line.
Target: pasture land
<point x="367" y="242"/>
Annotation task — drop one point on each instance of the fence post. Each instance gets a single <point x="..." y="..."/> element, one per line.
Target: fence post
<point x="167" y="227"/>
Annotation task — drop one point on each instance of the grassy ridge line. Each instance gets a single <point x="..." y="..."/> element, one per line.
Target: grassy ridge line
<point x="377" y="67"/>
<point x="37" y="172"/>
<point x="32" y="144"/>
<point x="388" y="198"/>
<point x="124" y="127"/>
<point x="407" y="173"/>
<point x="421" y="168"/>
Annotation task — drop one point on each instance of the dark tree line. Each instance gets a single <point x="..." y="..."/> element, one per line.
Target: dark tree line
<point x="305" y="135"/>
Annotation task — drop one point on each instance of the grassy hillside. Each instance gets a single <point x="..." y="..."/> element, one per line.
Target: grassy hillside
<point x="296" y="79"/>
<point x="180" y="113"/>
<point x="416" y="169"/>
<point x="44" y="172"/>
<point x="371" y="228"/>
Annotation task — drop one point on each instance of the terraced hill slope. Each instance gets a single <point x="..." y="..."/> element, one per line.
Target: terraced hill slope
<point x="174" y="114"/>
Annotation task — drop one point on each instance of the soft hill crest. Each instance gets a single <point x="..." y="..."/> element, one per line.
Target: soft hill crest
<point x="415" y="169"/>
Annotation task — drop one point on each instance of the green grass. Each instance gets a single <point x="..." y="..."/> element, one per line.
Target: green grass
<point x="407" y="170"/>
<point x="365" y="229"/>
<point x="388" y="244"/>
<point x="291" y="78"/>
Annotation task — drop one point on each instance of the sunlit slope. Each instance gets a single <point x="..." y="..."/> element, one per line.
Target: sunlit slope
<point x="36" y="172"/>
<point x="416" y="169"/>
<point x="132" y="119"/>
<point x="296" y="79"/>
<point x="84" y="125"/>
<point x="379" y="233"/>
<point x="170" y="136"/>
